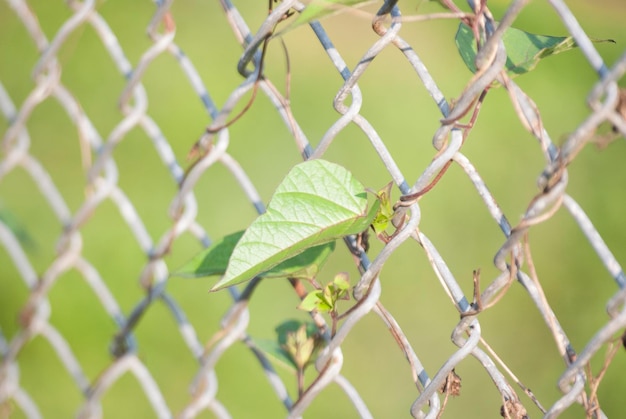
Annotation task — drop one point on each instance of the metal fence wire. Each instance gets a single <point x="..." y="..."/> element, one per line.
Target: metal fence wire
<point x="41" y="270"/>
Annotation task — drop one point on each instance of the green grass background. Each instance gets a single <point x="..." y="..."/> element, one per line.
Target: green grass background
<point x="395" y="102"/>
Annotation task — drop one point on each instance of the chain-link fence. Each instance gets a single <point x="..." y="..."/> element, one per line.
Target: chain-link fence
<point x="104" y="192"/>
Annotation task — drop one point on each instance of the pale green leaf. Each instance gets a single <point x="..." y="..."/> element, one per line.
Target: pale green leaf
<point x="310" y="302"/>
<point x="341" y="281"/>
<point x="316" y="203"/>
<point x="385" y="211"/>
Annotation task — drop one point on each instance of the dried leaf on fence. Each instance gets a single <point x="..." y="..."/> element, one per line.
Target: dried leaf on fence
<point x="316" y="203"/>
<point x="523" y="49"/>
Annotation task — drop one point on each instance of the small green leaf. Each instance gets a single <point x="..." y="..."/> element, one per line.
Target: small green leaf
<point x="319" y="299"/>
<point x="338" y="289"/>
<point x="316" y="203"/>
<point x="385" y="211"/>
<point x="214" y="259"/>
<point x="326" y="299"/>
<point x="341" y="281"/>
<point x="524" y="50"/>
<point x="311" y="301"/>
<point x="317" y="9"/>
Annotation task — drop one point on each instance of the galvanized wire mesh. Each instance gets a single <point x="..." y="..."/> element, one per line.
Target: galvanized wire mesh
<point x="101" y="151"/>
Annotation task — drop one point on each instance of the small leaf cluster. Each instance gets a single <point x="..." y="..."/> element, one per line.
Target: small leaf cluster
<point x="300" y="346"/>
<point x="325" y="300"/>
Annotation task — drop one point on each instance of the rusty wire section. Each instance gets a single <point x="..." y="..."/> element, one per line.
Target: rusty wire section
<point x="513" y="258"/>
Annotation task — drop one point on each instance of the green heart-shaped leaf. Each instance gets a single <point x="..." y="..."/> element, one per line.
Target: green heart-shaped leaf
<point x="318" y="202"/>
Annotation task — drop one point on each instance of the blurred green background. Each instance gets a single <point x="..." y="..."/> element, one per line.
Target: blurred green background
<point x="453" y="217"/>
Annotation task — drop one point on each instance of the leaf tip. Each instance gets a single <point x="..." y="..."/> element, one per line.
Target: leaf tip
<point x="218" y="287"/>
